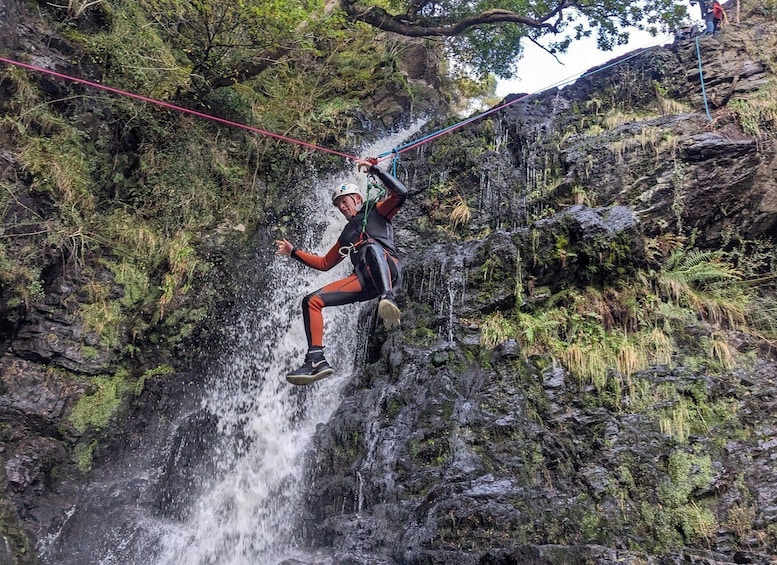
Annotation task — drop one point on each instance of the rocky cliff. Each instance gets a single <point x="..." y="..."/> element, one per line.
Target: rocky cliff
<point x="585" y="370"/>
<point x="541" y="403"/>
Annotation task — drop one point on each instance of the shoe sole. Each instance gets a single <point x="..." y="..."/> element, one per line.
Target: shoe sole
<point x="308" y="379"/>
<point x="389" y="313"/>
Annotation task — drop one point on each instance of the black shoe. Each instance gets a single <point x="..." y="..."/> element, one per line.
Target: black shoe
<point x="388" y="311"/>
<point x="314" y="368"/>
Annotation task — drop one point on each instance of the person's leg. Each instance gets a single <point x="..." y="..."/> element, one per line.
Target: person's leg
<point x="337" y="293"/>
<point x="344" y="291"/>
<point x="379" y="264"/>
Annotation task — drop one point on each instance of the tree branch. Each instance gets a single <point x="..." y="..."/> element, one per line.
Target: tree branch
<point x="411" y="25"/>
<point x="548" y="51"/>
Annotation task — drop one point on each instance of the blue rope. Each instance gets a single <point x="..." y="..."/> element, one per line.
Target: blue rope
<point x="462" y="123"/>
<point x="701" y="76"/>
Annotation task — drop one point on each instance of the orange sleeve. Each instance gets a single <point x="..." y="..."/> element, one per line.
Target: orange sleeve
<point x="388" y="207"/>
<point x="318" y="262"/>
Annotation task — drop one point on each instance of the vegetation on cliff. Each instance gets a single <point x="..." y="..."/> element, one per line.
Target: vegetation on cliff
<point x="586" y="371"/>
<point x="115" y="210"/>
<point x="119" y="220"/>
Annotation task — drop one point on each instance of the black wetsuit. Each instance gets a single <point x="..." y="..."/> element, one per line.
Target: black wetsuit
<point x="372" y="251"/>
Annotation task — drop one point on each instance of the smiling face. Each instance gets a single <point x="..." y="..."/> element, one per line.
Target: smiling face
<point x="349" y="205"/>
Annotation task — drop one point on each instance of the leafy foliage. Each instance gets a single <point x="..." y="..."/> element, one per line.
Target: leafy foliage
<point x="219" y="43"/>
<point x="605" y="335"/>
<point x="488" y="35"/>
<point x="757" y="113"/>
<point x="123" y="188"/>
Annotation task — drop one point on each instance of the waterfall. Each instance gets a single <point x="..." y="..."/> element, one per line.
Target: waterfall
<point x="243" y="511"/>
<point x="246" y="517"/>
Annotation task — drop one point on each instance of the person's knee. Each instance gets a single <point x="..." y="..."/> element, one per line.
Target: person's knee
<point x="312" y="301"/>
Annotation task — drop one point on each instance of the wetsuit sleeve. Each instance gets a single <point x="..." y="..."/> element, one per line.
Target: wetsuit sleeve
<point x="388" y="207"/>
<point x="318" y="262"/>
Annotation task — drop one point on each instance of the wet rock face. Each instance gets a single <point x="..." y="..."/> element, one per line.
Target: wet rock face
<point x="49" y="335"/>
<point x="446" y="452"/>
<point x="696" y="175"/>
<point x="38" y="398"/>
<point x="434" y="459"/>
<point x="7" y="15"/>
<point x="30" y="462"/>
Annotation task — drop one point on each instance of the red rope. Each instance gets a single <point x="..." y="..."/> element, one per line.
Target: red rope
<point x="178" y="108"/>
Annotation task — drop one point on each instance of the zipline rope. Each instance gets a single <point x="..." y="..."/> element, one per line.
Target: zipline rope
<point x="397" y="150"/>
<point x="562" y="82"/>
<point x="177" y="108"/>
<point x="701" y="77"/>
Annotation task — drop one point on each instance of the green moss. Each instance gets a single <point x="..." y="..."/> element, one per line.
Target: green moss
<point x="697" y="523"/>
<point x="94" y="411"/>
<point x="590" y="526"/>
<point x="134" y="280"/>
<point x="13" y="537"/>
<point x="161" y="370"/>
<point x="687" y="472"/>
<point x="104" y="318"/>
<point x="393" y="407"/>
<point x="89" y="352"/>
<point x="660" y="529"/>
<point x="757" y="113"/>
<point x="429" y="451"/>
<point x="83" y="453"/>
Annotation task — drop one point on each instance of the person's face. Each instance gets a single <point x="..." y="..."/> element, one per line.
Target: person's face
<point x="349" y="205"/>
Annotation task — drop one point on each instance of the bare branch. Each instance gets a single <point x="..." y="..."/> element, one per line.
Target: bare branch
<point x="548" y="51"/>
<point x="411" y="25"/>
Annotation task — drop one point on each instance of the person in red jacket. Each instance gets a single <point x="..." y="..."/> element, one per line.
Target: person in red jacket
<point x="718" y="16"/>
<point x="368" y="239"/>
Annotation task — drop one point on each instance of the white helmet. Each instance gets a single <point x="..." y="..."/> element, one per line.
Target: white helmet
<point x="343" y="189"/>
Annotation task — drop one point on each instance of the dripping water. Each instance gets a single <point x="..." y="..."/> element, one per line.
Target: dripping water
<point x="442" y="284"/>
<point x="242" y="510"/>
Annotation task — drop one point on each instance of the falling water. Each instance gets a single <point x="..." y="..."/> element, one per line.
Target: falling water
<point x="243" y="514"/>
<point x="246" y="517"/>
<point x="442" y="283"/>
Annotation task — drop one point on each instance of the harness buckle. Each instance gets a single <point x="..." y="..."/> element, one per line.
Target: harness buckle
<point x="346" y="250"/>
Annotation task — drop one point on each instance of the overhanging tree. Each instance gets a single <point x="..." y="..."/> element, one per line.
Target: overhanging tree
<point x="487" y="34"/>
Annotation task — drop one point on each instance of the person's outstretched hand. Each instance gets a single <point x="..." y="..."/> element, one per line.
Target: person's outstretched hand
<point x="284" y="247"/>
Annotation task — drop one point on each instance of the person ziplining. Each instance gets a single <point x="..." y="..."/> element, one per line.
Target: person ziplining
<point x="368" y="239"/>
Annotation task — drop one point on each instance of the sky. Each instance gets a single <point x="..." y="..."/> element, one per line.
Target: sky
<point x="538" y="70"/>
